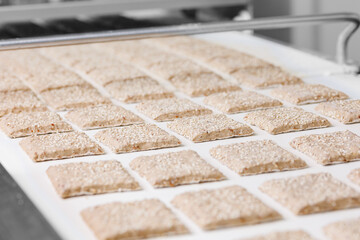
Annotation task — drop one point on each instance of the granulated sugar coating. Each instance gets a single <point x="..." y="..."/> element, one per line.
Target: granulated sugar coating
<point x="311" y="193"/>
<point x="35" y="123"/>
<point x="137" y="90"/>
<point x="59" y="146"/>
<point x="9" y="83"/>
<point x="175" y="168"/>
<point x="240" y="101"/>
<point x="285" y="119"/>
<point x="290" y="235"/>
<point x="136" y="138"/>
<point x="82" y="178"/>
<point x="256" y="157"/>
<point x="132" y="220"/>
<point x="354" y="176"/>
<point x="345" y="111"/>
<point x="346" y="229"/>
<point x="102" y="116"/>
<point x="224" y="207"/>
<point x="329" y="148"/>
<point x="307" y="93"/>
<point x="209" y="127"/>
<point x="170" y="109"/>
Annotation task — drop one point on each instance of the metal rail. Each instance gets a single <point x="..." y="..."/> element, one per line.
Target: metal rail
<point x="198" y="28"/>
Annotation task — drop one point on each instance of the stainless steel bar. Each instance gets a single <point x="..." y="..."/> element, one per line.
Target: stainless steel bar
<point x="187" y="29"/>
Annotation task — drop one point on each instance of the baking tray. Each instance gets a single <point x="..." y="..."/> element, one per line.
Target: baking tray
<point x="64" y="214"/>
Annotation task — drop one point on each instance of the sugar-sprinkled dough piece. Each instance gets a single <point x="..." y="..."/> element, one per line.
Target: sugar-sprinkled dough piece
<point x="224" y="207"/>
<point x="132" y="220"/>
<point x="34" y="123"/>
<point x="345" y="111"/>
<point x="285" y="119"/>
<point x="59" y="146"/>
<point x="288" y="235"/>
<point x="10" y="82"/>
<point x="311" y="193"/>
<point x="19" y="101"/>
<point x="345" y="229"/>
<point x="329" y="148"/>
<point x="354" y="176"/>
<point x="137" y="89"/>
<point x="307" y="93"/>
<point x="102" y="116"/>
<point x="73" y="97"/>
<point x="175" y="168"/>
<point x="170" y="109"/>
<point x="82" y="178"/>
<point x="256" y="157"/>
<point x="240" y="101"/>
<point x="209" y="127"/>
<point x="136" y="138"/>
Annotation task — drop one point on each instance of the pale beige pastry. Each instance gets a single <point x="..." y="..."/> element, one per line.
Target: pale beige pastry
<point x="345" y="229"/>
<point x="102" y="116"/>
<point x="10" y="82"/>
<point x="354" y="176"/>
<point x="82" y="178"/>
<point x="33" y="123"/>
<point x="256" y="157"/>
<point x="345" y="111"/>
<point x="209" y="127"/>
<point x="170" y="109"/>
<point x="311" y="193"/>
<point x="137" y="90"/>
<point x="329" y="148"/>
<point x="175" y="168"/>
<point x="73" y="97"/>
<point x="59" y="146"/>
<point x="19" y="101"/>
<point x="285" y="119"/>
<point x="132" y="220"/>
<point x="240" y="101"/>
<point x="288" y="235"/>
<point x="224" y="207"/>
<point x="307" y="93"/>
<point x="136" y="138"/>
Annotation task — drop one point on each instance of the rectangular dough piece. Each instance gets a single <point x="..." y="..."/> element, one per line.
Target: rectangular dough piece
<point x="102" y="116"/>
<point x="254" y="157"/>
<point x="240" y="101"/>
<point x="209" y="127"/>
<point x="73" y="97"/>
<point x="137" y="90"/>
<point x="132" y="220"/>
<point x="136" y="138"/>
<point x="329" y="148"/>
<point x="224" y="207"/>
<point x="311" y="193"/>
<point x="285" y="119"/>
<point x="59" y="146"/>
<point x="170" y="109"/>
<point x="82" y="178"/>
<point x="10" y="82"/>
<point x="345" y="111"/>
<point x="346" y="229"/>
<point x="175" y="168"/>
<point x="354" y="176"/>
<point x="33" y="123"/>
<point x="307" y="93"/>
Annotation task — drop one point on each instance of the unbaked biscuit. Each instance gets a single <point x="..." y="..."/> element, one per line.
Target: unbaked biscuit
<point x="354" y="176"/>
<point x="59" y="146"/>
<point x="175" y="168"/>
<point x="329" y="148"/>
<point x="136" y="138"/>
<point x="34" y="123"/>
<point x="82" y="178"/>
<point x="224" y="207"/>
<point x="289" y="235"/>
<point x="132" y="220"/>
<point x="240" y="101"/>
<point x="10" y="82"/>
<point x="345" y="111"/>
<point x="345" y="229"/>
<point x="256" y="157"/>
<point x="311" y="193"/>
<point x="307" y="93"/>
<point x="285" y="119"/>
<point x="102" y="116"/>
<point x="209" y="127"/>
<point x="170" y="109"/>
